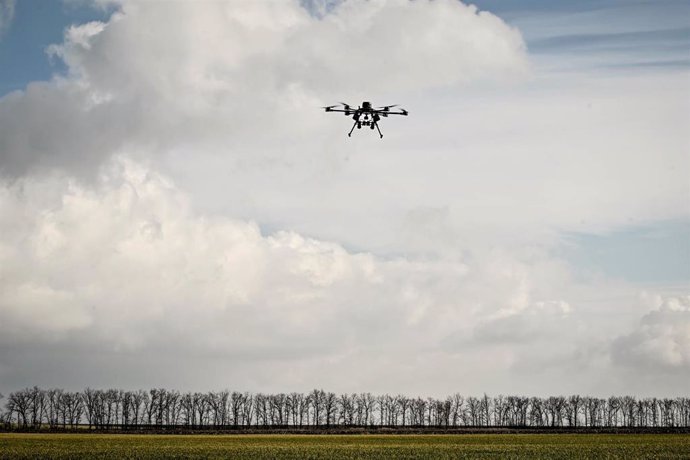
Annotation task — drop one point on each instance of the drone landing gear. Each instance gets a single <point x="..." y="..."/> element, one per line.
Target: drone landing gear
<point x="378" y="129"/>
<point x="358" y="124"/>
<point x="353" y="128"/>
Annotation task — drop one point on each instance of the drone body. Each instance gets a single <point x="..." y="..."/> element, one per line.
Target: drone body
<point x="366" y="115"/>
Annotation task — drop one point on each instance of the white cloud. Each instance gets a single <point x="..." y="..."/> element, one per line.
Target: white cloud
<point x="661" y="340"/>
<point x="131" y="253"/>
<point x="126" y="264"/>
<point x="216" y="74"/>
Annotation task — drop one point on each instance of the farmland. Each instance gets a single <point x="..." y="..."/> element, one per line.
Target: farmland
<point x="51" y="445"/>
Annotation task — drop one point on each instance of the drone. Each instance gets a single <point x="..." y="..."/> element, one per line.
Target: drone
<point x="366" y="115"/>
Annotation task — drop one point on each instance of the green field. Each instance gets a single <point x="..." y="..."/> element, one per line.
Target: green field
<point x="16" y="445"/>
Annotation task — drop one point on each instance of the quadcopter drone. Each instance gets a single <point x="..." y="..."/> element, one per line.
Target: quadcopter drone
<point x="366" y="115"/>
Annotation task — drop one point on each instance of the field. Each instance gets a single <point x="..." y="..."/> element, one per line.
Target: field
<point x="47" y="445"/>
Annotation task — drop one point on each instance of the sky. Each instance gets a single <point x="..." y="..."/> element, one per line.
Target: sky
<point x="176" y="210"/>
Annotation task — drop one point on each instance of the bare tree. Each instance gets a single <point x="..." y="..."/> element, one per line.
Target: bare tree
<point x="330" y="405"/>
<point x="158" y="407"/>
<point x="316" y="400"/>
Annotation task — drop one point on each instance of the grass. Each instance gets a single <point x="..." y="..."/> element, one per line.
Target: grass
<point x="58" y="446"/>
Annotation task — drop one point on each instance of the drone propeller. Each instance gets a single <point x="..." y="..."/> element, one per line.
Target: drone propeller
<point x="386" y="107"/>
<point x="329" y="106"/>
<point x="347" y="106"/>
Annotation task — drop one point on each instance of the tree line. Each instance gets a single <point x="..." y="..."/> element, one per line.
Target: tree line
<point x="113" y="408"/>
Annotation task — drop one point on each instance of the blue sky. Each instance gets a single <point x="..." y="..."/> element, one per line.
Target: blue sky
<point x="35" y="25"/>
<point x="657" y="253"/>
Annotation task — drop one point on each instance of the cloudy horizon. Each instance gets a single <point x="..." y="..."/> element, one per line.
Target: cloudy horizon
<point x="176" y="210"/>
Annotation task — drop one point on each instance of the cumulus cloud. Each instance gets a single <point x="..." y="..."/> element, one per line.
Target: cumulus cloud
<point x="117" y="260"/>
<point x="661" y="340"/>
<point x="215" y="74"/>
<point x="131" y="253"/>
<point x="125" y="265"/>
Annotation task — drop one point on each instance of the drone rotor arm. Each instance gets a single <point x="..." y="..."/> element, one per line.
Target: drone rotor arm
<point x="388" y="112"/>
